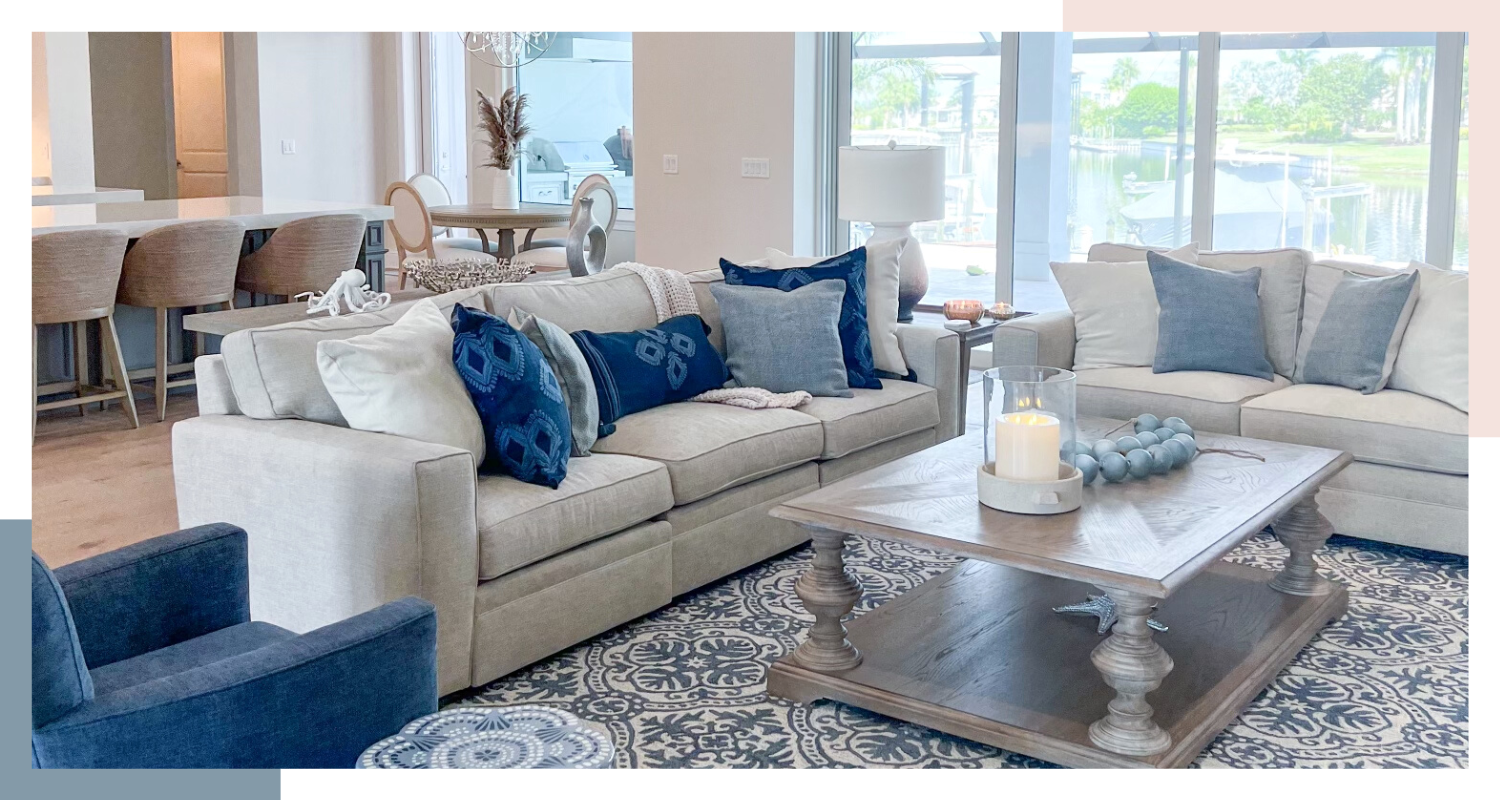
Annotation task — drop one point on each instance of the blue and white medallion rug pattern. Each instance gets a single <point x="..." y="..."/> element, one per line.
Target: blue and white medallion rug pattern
<point x="1385" y="686"/>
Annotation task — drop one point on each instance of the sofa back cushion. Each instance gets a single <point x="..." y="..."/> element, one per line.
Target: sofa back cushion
<point x="1434" y="356"/>
<point x="274" y="371"/>
<point x="612" y="300"/>
<point x="708" y="307"/>
<point x="1281" y="275"/>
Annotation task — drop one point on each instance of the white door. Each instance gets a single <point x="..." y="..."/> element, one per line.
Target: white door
<point x="198" y="106"/>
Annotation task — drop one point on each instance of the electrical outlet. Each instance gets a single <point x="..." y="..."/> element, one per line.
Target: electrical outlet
<point x="669" y="165"/>
<point x="755" y="168"/>
<point x="288" y="147"/>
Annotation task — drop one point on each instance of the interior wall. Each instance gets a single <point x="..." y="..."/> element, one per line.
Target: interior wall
<point x="242" y="112"/>
<point x="41" y="136"/>
<point x="70" y="129"/>
<point x="321" y="91"/>
<point x="712" y="99"/>
<point x="131" y="85"/>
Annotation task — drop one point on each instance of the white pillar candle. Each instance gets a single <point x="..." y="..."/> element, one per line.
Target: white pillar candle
<point x="1027" y="446"/>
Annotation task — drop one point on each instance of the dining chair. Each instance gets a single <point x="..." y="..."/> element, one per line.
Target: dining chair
<point x="74" y="277"/>
<point x="434" y="193"/>
<point x="187" y="265"/>
<point x="597" y="205"/>
<point x="304" y="255"/>
<point x="411" y="228"/>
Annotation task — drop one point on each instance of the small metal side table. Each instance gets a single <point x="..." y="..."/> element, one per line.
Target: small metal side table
<point x="976" y="335"/>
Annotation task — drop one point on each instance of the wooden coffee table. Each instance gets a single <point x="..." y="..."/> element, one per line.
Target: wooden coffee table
<point x="978" y="652"/>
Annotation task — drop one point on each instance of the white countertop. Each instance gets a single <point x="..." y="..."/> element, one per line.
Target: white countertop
<point x="142" y="216"/>
<point x="69" y="195"/>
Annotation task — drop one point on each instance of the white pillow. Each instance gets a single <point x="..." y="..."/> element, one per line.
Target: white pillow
<point x="882" y="287"/>
<point x="1114" y="309"/>
<point x="1434" y="357"/>
<point x="401" y="380"/>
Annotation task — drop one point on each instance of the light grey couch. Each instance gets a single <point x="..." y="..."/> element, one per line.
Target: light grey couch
<point x="1409" y="482"/>
<point x="342" y="520"/>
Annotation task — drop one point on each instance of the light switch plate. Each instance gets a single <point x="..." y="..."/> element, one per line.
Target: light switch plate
<point x="755" y="168"/>
<point x="288" y="147"/>
<point x="669" y="165"/>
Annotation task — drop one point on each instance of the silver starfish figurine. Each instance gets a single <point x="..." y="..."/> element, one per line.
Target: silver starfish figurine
<point x="1101" y="606"/>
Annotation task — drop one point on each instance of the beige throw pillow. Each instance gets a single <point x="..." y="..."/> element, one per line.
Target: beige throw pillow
<point x="1434" y="357"/>
<point x="1114" y="310"/>
<point x="401" y="380"/>
<point x="882" y="287"/>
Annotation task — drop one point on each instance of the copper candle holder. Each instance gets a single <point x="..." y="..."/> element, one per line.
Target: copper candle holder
<point x="970" y="311"/>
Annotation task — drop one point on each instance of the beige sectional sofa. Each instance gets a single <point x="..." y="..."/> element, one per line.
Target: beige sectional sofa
<point x="1409" y="481"/>
<point x="342" y="520"/>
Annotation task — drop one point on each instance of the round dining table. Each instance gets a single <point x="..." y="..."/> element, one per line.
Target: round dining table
<point x="504" y="221"/>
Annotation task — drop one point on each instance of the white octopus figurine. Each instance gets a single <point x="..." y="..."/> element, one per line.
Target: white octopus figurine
<point x="351" y="289"/>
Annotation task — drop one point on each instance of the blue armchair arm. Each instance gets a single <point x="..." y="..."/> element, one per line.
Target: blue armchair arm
<point x="159" y="592"/>
<point x="315" y="701"/>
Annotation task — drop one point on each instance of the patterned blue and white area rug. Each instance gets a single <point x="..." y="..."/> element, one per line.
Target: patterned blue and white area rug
<point x="1386" y="686"/>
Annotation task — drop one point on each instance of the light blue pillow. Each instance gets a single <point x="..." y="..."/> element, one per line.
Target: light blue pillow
<point x="785" y="341"/>
<point x="1210" y="319"/>
<point x="1356" y="339"/>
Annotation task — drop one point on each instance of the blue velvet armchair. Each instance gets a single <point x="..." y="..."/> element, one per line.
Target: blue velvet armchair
<point x="146" y="657"/>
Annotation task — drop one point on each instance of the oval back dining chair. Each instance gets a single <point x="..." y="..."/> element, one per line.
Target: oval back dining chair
<point x="412" y="229"/>
<point x="74" y="278"/>
<point x="304" y="255"/>
<point x="433" y="193"/>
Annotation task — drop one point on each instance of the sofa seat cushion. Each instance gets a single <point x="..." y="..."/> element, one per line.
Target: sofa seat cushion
<point x="204" y="650"/>
<point x="1209" y="401"/>
<point x="1390" y="427"/>
<point x="708" y="448"/>
<point x="872" y="416"/>
<point x="521" y="523"/>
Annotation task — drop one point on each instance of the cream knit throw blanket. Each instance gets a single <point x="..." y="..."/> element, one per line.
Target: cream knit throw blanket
<point x="673" y="296"/>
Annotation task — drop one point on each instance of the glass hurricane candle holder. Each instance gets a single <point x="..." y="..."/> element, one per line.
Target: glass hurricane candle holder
<point x="1030" y="415"/>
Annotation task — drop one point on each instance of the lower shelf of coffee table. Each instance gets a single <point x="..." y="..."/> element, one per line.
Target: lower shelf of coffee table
<point x="978" y="652"/>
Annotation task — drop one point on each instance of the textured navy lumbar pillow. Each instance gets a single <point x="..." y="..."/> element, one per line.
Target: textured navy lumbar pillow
<point x="785" y="341"/>
<point x="643" y="369"/>
<point x="854" y="325"/>
<point x="520" y="403"/>
<point x="1210" y="319"/>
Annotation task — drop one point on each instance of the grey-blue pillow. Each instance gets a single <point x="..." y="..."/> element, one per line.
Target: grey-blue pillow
<point x="1356" y="339"/>
<point x="1210" y="319"/>
<point x="785" y="341"/>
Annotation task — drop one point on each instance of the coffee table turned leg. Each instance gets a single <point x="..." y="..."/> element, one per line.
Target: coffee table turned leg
<point x="1133" y="664"/>
<point x="1303" y="530"/>
<point x="828" y="591"/>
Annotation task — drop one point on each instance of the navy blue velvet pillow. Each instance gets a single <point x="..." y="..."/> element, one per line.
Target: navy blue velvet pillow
<point x="643" y="369"/>
<point x="854" y="326"/>
<point x="526" y="428"/>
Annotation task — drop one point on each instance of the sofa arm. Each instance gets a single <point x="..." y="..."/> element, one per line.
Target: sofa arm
<point x="1044" y="339"/>
<point x="339" y="521"/>
<point x="933" y="354"/>
<point x="157" y="593"/>
<point x="215" y="394"/>
<point x="316" y="701"/>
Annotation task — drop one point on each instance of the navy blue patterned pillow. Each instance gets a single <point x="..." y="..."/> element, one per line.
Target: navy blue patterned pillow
<point x="520" y="403"/>
<point x="854" y="326"/>
<point x="643" y="369"/>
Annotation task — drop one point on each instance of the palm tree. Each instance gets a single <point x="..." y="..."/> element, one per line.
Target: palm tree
<point x="1125" y="73"/>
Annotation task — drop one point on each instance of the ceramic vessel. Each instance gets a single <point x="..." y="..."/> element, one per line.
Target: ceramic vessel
<point x="506" y="189"/>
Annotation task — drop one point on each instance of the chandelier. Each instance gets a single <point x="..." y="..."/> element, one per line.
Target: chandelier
<point x="507" y="49"/>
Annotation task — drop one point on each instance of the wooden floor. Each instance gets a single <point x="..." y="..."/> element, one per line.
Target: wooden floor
<point x="97" y="484"/>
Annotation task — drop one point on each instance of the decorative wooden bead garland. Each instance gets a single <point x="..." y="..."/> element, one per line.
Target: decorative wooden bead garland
<point x="1157" y="447"/>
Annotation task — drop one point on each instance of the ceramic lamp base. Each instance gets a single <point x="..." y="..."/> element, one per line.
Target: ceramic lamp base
<point x="914" y="278"/>
<point x="1032" y="497"/>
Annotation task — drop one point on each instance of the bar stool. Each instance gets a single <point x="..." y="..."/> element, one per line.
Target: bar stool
<point x="188" y="265"/>
<point x="74" y="276"/>
<point x="304" y="255"/>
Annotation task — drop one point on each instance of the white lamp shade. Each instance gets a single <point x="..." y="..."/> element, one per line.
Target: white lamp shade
<point x="897" y="185"/>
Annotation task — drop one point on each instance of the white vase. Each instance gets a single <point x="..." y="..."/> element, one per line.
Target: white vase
<point x="506" y="189"/>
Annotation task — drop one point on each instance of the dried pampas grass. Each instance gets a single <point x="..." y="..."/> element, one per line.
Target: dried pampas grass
<point x="505" y="125"/>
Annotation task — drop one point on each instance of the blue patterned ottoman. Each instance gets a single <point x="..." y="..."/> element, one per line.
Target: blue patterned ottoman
<point x="493" y="737"/>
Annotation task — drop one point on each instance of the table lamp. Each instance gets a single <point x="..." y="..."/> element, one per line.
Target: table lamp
<point x="892" y="186"/>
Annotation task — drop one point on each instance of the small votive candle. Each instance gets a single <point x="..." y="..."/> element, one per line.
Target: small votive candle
<point x="969" y="311"/>
<point x="1027" y="446"/>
